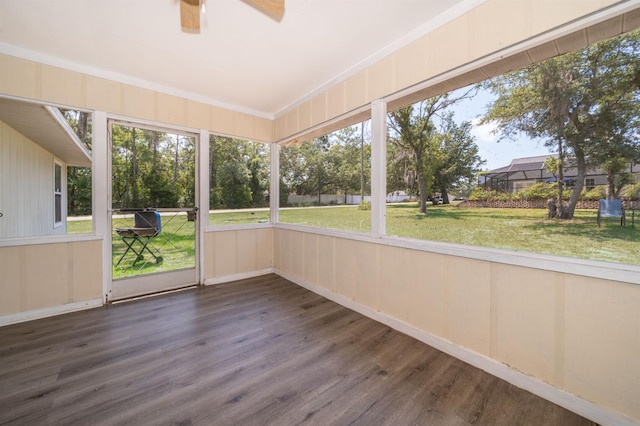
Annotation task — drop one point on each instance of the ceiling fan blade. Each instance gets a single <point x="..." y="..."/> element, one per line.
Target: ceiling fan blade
<point x="190" y="16"/>
<point x="273" y="8"/>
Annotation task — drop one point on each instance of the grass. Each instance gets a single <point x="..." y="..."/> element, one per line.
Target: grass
<point x="522" y="230"/>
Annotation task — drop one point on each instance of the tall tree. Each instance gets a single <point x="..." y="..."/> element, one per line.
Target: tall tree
<point x="576" y="103"/>
<point x="413" y="131"/>
<point x="458" y="158"/>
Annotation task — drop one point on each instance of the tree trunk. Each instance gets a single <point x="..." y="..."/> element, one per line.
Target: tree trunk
<point x="444" y="194"/>
<point x="560" y="180"/>
<point x="581" y="166"/>
<point x="611" y="186"/>
<point x="423" y="193"/>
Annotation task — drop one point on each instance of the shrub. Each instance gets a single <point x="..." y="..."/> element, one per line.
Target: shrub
<point x="364" y="205"/>
<point x="481" y="194"/>
<point x="540" y="191"/>
<point x="596" y="193"/>
<point x="632" y="192"/>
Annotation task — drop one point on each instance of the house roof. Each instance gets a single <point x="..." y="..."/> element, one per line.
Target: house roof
<point x="45" y="126"/>
<point x="524" y="168"/>
<point x="241" y="59"/>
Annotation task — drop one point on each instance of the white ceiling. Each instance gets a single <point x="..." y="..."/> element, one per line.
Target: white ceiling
<point x="242" y="59"/>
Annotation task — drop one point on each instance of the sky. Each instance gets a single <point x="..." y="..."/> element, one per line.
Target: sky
<point x="496" y="154"/>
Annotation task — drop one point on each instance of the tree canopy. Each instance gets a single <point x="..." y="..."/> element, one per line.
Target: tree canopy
<point x="428" y="147"/>
<point x="584" y="105"/>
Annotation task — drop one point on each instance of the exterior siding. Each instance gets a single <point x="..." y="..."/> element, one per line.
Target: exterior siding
<point x="26" y="187"/>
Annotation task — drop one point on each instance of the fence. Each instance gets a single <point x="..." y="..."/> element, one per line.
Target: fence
<point x="538" y="204"/>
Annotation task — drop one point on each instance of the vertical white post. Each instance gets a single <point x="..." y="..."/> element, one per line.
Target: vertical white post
<point x="202" y="185"/>
<point x="101" y="194"/>
<point x="378" y="168"/>
<point x="274" y="186"/>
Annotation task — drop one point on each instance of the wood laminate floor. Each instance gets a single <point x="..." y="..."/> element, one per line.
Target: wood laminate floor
<point x="261" y="351"/>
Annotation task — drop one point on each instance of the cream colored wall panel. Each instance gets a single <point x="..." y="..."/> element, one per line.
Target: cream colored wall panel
<point x="524" y="323"/>
<point x="310" y="262"/>
<point x="246" y="251"/>
<point x="170" y="109"/>
<point x="264" y="248"/>
<point x="225" y="252"/>
<point x="243" y="125"/>
<point x="61" y="86"/>
<point x="263" y="129"/>
<point x="280" y="127"/>
<point x="426" y="302"/>
<point x="297" y="254"/>
<point x="447" y="47"/>
<point x="337" y="99"/>
<point x="381" y="78"/>
<point x="319" y="109"/>
<point x="498" y="24"/>
<point x="209" y="259"/>
<point x="286" y="260"/>
<point x="101" y="94"/>
<point x="137" y="102"/>
<point x="19" y="77"/>
<point x="549" y="14"/>
<point x="395" y="276"/>
<point x="198" y="115"/>
<point x="410" y="64"/>
<point x="357" y="90"/>
<point x="222" y="121"/>
<point x="344" y="262"/>
<point x="326" y="262"/>
<point x="468" y="299"/>
<point x="87" y="270"/>
<point x="291" y="122"/>
<point x="304" y="115"/>
<point x="277" y="248"/>
<point x="366" y="270"/>
<point x="47" y="284"/>
<point x="602" y="342"/>
<point x="10" y="280"/>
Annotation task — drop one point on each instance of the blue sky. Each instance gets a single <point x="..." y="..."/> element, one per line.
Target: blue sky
<point x="496" y="154"/>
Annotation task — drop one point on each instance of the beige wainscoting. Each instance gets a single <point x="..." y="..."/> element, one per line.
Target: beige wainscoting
<point x="46" y="83"/>
<point x="44" y="279"/>
<point x="578" y="334"/>
<point x="237" y="253"/>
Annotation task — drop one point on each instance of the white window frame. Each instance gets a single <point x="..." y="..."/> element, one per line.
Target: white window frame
<point x="58" y="193"/>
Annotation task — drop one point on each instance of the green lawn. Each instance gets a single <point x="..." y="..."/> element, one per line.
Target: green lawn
<point x="525" y="230"/>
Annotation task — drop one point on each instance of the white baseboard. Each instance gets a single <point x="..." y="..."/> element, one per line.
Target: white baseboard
<point x="49" y="312"/>
<point x="240" y="276"/>
<point x="544" y="390"/>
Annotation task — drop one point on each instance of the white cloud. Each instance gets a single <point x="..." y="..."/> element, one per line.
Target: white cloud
<point x="484" y="133"/>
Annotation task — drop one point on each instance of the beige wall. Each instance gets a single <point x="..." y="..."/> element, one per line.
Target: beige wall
<point x="46" y="83"/>
<point x="236" y="252"/>
<point x="42" y="276"/>
<point x="26" y="187"/>
<point x="578" y="334"/>
<point x="491" y="27"/>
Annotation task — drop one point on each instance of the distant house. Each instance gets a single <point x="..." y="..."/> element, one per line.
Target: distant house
<point x="36" y="146"/>
<point x="527" y="171"/>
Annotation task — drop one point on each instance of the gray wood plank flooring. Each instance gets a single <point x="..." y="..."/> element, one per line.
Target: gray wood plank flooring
<point x="261" y="351"/>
